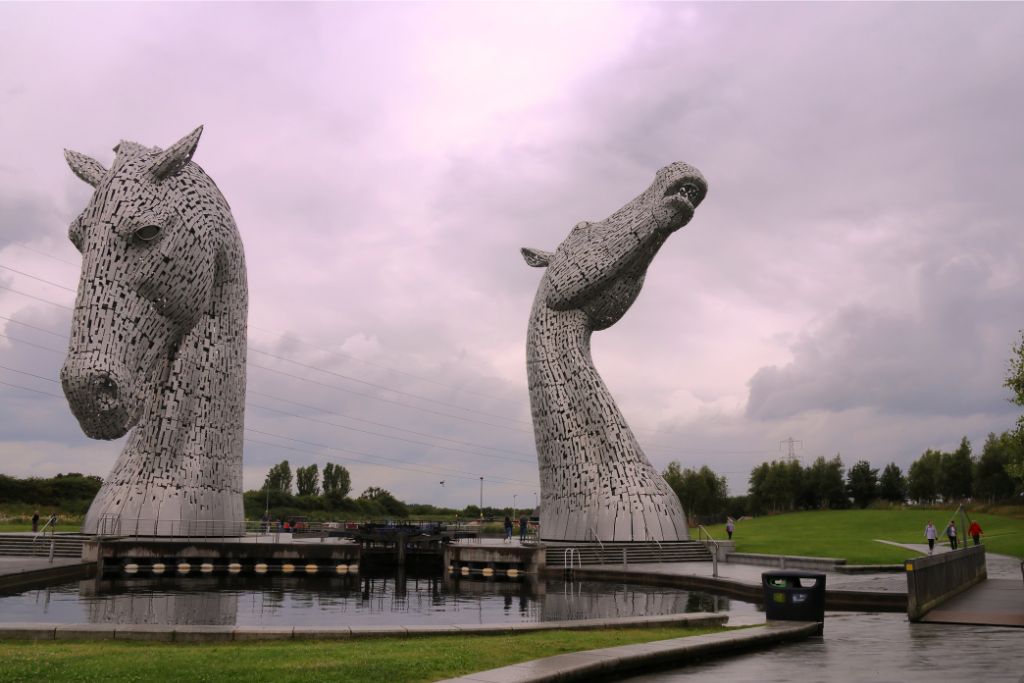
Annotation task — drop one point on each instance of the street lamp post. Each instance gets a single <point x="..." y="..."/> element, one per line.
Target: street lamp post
<point x="513" y="506"/>
<point x="481" y="498"/>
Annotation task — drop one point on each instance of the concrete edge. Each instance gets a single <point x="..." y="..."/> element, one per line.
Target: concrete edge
<point x="751" y="592"/>
<point x="676" y="652"/>
<point x="870" y="568"/>
<point x="203" y="634"/>
<point x="786" y="561"/>
<point x="16" y="580"/>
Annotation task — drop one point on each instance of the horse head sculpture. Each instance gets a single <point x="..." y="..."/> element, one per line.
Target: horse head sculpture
<point x="158" y="341"/>
<point x="596" y="483"/>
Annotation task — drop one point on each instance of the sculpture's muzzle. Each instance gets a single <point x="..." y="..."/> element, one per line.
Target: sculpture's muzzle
<point x="98" y="399"/>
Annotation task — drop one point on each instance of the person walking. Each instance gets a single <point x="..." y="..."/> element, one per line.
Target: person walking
<point x="975" y="532"/>
<point x="931" y="534"/>
<point x="730" y="527"/>
<point x="951" y="535"/>
<point x="508" y="529"/>
<point x="35" y="522"/>
<point x="524" y="525"/>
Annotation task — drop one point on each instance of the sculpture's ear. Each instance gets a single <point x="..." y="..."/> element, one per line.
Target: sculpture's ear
<point x="86" y="168"/>
<point x="536" y="257"/>
<point x="170" y="161"/>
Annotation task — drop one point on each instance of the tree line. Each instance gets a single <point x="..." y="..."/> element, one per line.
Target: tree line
<point x="826" y="484"/>
<point x="72" y="492"/>
<point x="322" y="494"/>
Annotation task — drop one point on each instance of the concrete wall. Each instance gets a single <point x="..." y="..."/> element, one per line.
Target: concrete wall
<point x="821" y="564"/>
<point x="933" y="580"/>
<point x="529" y="559"/>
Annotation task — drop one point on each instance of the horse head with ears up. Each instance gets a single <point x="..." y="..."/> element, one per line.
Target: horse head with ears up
<point x="158" y="340"/>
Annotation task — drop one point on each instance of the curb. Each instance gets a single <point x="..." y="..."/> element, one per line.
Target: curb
<point x="616" y="661"/>
<point x="200" y="634"/>
<point x="24" y="579"/>
<point x="849" y="600"/>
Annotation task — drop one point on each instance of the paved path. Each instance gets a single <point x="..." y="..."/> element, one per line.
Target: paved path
<point x="996" y="602"/>
<point x="619" y="661"/>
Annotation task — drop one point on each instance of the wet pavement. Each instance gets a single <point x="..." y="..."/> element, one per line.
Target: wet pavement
<point x="873" y="647"/>
<point x="859" y="646"/>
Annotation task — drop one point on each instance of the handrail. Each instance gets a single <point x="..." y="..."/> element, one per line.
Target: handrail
<point x="567" y="556"/>
<point x="593" y="532"/>
<point x="52" y="524"/>
<point x="718" y="548"/>
<point x="661" y="551"/>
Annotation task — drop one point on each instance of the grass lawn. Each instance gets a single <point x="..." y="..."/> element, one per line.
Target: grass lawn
<point x="385" y="660"/>
<point x="851" y="533"/>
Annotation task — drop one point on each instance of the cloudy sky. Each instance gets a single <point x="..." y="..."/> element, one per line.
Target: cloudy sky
<point x="851" y="281"/>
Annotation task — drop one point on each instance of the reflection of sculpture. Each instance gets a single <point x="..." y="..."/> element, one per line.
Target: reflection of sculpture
<point x="160" y="602"/>
<point x="595" y="481"/>
<point x="158" y="342"/>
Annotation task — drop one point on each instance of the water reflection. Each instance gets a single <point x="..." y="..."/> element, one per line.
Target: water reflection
<point x="346" y="600"/>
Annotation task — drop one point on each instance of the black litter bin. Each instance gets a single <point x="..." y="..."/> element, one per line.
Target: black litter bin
<point x="793" y="595"/>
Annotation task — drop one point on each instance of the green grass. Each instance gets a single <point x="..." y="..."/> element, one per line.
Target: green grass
<point x="385" y="660"/>
<point x="851" y="534"/>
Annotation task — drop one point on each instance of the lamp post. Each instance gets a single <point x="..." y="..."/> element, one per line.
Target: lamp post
<point x="513" y="506"/>
<point x="481" y="498"/>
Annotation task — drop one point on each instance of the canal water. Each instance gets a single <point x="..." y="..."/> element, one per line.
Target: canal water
<point x="351" y="600"/>
<point x="872" y="647"/>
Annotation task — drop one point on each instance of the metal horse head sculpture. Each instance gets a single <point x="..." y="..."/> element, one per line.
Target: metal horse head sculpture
<point x="158" y="341"/>
<point x="596" y="483"/>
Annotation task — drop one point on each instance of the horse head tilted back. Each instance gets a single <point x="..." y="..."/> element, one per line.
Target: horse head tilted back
<point x="600" y="266"/>
<point x="149" y="249"/>
<point x="596" y="483"/>
<point x="158" y="336"/>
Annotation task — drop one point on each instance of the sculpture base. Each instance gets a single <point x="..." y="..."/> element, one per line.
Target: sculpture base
<point x="615" y="524"/>
<point x="155" y="511"/>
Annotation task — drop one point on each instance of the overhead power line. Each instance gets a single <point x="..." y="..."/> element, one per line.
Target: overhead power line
<point x="315" y="368"/>
<point x="339" y="354"/>
<point x="385" y="436"/>
<point x="381" y="386"/>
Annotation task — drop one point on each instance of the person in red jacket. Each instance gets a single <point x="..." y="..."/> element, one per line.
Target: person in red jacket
<point x="975" y="532"/>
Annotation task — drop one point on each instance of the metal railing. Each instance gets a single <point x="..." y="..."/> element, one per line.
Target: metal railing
<point x="51" y="523"/>
<point x="714" y="557"/>
<point x="593" y="532"/>
<point x="114" y="525"/>
<point x="567" y="558"/>
<point x="661" y="551"/>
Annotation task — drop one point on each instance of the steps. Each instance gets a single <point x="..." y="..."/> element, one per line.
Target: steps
<point x="627" y="553"/>
<point x="64" y="545"/>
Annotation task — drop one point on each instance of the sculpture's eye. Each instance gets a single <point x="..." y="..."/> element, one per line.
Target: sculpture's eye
<point x="147" y="233"/>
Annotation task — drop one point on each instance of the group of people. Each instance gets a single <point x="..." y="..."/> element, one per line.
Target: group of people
<point x="524" y="525"/>
<point x="931" y="534"/>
